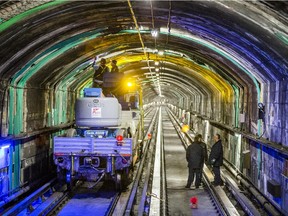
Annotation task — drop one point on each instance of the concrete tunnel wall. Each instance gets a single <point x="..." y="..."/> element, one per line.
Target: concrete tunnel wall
<point x="221" y="60"/>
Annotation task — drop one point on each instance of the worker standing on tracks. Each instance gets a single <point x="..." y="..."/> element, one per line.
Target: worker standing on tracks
<point x="204" y="148"/>
<point x="195" y="159"/>
<point x="216" y="159"/>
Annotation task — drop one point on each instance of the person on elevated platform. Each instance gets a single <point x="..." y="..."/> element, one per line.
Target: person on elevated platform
<point x="100" y="70"/>
<point x="114" y="67"/>
<point x="112" y="84"/>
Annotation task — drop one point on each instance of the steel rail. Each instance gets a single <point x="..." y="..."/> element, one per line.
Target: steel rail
<point x="164" y="205"/>
<point x="155" y="183"/>
<point x="253" y="190"/>
<point x="15" y="195"/>
<point x="112" y="206"/>
<point x="158" y="203"/>
<point x="51" y="203"/>
<point x="133" y="191"/>
<point x="26" y="203"/>
<point x="141" y="206"/>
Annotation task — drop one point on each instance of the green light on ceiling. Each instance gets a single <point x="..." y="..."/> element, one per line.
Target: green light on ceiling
<point x="52" y="53"/>
<point x="26" y="14"/>
<point x="282" y="37"/>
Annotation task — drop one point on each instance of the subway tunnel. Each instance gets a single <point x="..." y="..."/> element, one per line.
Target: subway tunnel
<point x="222" y="63"/>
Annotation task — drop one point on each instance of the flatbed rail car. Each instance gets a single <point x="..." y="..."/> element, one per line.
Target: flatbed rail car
<point x="91" y="159"/>
<point x="102" y="145"/>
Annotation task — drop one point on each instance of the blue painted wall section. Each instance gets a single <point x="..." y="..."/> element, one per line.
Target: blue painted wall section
<point x="271" y="167"/>
<point x="6" y="148"/>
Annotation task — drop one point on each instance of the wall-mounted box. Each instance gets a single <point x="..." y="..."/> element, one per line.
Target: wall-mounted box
<point x="285" y="169"/>
<point x="242" y="117"/>
<point x="246" y="159"/>
<point x="274" y="188"/>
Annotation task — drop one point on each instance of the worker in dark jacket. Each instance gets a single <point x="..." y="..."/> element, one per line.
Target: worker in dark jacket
<point x="99" y="72"/>
<point x="195" y="159"/>
<point x="216" y="159"/>
<point x="114" y="67"/>
<point x="204" y="148"/>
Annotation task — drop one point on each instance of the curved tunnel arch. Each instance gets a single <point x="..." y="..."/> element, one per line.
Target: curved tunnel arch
<point x="219" y="60"/>
<point x="237" y="48"/>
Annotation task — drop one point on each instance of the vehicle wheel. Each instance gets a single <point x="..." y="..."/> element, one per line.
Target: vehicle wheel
<point x="61" y="175"/>
<point x="118" y="182"/>
<point x="130" y="175"/>
<point x="69" y="180"/>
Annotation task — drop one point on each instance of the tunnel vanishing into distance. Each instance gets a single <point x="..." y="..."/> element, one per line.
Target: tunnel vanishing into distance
<point x="222" y="65"/>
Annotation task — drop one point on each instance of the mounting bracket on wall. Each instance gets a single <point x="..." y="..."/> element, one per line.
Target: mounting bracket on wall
<point x="261" y="111"/>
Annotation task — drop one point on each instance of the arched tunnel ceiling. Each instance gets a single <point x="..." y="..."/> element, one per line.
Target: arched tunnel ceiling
<point x="208" y="46"/>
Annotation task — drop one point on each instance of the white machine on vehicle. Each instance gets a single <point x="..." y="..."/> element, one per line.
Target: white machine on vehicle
<point x="101" y="146"/>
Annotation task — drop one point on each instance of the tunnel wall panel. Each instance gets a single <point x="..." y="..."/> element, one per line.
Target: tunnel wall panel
<point x="44" y="109"/>
<point x="3" y="109"/>
<point x="34" y="168"/>
<point x="35" y="157"/>
<point x="35" y="110"/>
<point x="229" y="114"/>
<point x="252" y="111"/>
<point x="285" y="137"/>
<point x="1" y="112"/>
<point x="276" y="109"/>
<point x="35" y="146"/>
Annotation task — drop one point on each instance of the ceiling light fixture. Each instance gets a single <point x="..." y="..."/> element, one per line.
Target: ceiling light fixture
<point x="154" y="33"/>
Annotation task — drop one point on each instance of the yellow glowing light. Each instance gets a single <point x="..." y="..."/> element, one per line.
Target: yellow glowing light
<point x="185" y="128"/>
<point x="129" y="84"/>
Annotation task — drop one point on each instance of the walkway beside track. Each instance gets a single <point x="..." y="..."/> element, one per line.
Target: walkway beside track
<point x="177" y="174"/>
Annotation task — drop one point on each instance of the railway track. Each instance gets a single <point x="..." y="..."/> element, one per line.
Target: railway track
<point x="159" y="190"/>
<point x="233" y="198"/>
<point x="133" y="200"/>
<point x="85" y="198"/>
<point x="43" y="198"/>
<point x="177" y="173"/>
<point x="89" y="201"/>
<point x="157" y="187"/>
